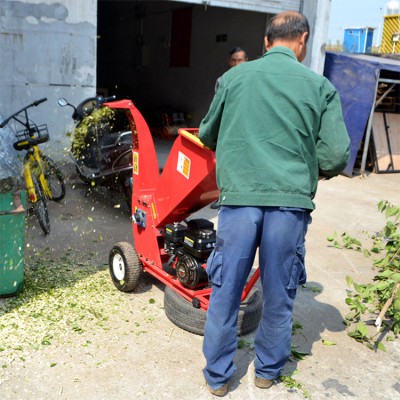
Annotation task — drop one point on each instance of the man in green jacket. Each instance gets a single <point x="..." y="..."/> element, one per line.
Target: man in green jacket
<point x="276" y="127"/>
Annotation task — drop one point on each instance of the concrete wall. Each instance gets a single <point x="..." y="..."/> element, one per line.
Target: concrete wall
<point x="48" y="49"/>
<point x="317" y="13"/>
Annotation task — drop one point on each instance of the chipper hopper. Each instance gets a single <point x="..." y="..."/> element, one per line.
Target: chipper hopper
<point x="168" y="244"/>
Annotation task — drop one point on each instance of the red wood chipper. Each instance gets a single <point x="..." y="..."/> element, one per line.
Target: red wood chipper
<point x="167" y="244"/>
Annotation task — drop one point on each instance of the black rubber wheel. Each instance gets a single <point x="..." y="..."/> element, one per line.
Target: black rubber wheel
<point x="55" y="178"/>
<point x="191" y="319"/>
<point x="82" y="177"/>
<point x="125" y="267"/>
<point x="40" y="208"/>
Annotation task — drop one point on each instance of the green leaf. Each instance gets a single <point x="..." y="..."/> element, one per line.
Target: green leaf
<point x="358" y="288"/>
<point x="355" y="335"/>
<point x="381" y="285"/>
<point x="382" y="206"/>
<point x="396" y="277"/>
<point x="349" y="280"/>
<point x="386" y="273"/>
<point x="332" y="238"/>
<point x="328" y="343"/>
<point x="392" y="211"/>
<point x="298" y="355"/>
<point x="380" y="346"/>
<point x="53" y="365"/>
<point x="362" y="328"/>
<point x="314" y="289"/>
<point x="366" y="253"/>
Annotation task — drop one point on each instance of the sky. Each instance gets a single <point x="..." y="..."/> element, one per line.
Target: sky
<point x="356" y="13"/>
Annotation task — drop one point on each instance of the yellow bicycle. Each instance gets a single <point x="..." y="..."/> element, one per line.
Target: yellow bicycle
<point x="43" y="179"/>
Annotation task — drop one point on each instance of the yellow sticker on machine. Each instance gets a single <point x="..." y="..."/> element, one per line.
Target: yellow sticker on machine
<point x="183" y="165"/>
<point x="188" y="241"/>
<point x="135" y="163"/>
<point x="153" y="208"/>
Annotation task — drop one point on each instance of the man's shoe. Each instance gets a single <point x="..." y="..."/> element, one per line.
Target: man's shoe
<point x="221" y="391"/>
<point x="263" y="383"/>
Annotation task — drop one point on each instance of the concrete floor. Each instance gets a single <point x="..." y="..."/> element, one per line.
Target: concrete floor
<point x="347" y="369"/>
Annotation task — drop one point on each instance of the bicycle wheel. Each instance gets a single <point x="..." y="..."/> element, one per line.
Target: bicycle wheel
<point x="40" y="208"/>
<point x="55" y="178"/>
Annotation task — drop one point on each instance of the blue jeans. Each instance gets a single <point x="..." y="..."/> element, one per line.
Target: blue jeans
<point x="279" y="233"/>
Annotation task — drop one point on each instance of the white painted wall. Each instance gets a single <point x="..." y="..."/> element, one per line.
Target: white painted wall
<point x="317" y="13"/>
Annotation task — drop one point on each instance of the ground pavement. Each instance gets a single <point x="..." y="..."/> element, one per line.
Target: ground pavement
<point x="165" y="362"/>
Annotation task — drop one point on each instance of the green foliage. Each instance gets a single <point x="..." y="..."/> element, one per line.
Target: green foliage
<point x="348" y="242"/>
<point x="242" y="344"/>
<point x="382" y="296"/>
<point x="287" y="380"/>
<point x="314" y="289"/>
<point x="86" y="132"/>
<point x="292" y="384"/>
<point x="297" y="355"/>
<point x="328" y="343"/>
<point x="297" y="328"/>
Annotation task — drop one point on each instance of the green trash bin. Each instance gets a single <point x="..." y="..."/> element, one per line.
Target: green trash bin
<point x="12" y="246"/>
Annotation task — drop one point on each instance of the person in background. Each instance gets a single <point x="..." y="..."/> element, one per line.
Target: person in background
<point x="236" y="56"/>
<point x="276" y="127"/>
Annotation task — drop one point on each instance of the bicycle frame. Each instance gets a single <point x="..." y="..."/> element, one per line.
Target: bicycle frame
<point x="33" y="163"/>
<point x="33" y="159"/>
<point x="43" y="179"/>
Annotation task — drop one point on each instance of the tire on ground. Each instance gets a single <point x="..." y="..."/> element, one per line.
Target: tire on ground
<point x="55" y="179"/>
<point x="125" y="267"/>
<point x="182" y="313"/>
<point x="40" y="208"/>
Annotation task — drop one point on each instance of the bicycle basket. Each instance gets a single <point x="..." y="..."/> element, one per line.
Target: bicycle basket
<point x="39" y="133"/>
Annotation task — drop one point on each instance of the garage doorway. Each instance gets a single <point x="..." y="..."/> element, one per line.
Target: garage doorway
<point x="138" y="56"/>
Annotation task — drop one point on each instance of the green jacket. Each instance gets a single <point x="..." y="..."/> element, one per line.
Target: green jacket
<point x="276" y="126"/>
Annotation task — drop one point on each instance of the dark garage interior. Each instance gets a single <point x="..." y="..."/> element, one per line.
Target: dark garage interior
<point x="166" y="55"/>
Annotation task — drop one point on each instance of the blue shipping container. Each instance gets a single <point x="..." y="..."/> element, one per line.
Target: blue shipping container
<point x="358" y="40"/>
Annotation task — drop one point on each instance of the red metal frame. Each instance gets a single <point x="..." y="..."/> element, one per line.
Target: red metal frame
<point x="186" y="184"/>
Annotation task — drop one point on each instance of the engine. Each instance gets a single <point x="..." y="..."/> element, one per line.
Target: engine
<point x="189" y="246"/>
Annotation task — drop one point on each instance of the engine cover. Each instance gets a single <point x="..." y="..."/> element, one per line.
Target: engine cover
<point x="199" y="240"/>
<point x="173" y="237"/>
<point x="190" y="272"/>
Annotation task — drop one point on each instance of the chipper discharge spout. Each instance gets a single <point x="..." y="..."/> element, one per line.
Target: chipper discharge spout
<point x="186" y="184"/>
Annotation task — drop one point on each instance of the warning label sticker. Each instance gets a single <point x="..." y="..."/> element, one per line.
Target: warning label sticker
<point x="135" y="163"/>
<point x="183" y="165"/>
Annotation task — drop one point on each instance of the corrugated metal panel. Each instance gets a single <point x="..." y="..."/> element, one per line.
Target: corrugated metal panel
<point x="266" y="6"/>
